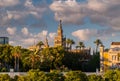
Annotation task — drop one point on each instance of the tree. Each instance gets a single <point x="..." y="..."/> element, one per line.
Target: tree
<point x="52" y="57"/>
<point x="80" y="45"/>
<point x="33" y="59"/>
<point x="25" y="64"/>
<point x="40" y="44"/>
<point x="97" y="42"/>
<point x="93" y="63"/>
<point x="6" y="56"/>
<point x="69" y="43"/>
<point x="16" y="52"/>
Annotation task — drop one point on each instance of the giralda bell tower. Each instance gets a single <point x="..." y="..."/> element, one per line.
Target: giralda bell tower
<point x="59" y="39"/>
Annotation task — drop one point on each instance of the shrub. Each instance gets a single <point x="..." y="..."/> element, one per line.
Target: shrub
<point x="75" y="76"/>
<point x="112" y="75"/>
<point x="95" y="78"/>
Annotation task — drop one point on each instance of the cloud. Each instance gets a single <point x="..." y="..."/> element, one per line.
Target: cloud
<point x="102" y="12"/>
<point x="25" y="31"/>
<point x="28" y="41"/>
<point x="52" y="35"/>
<point x="68" y="11"/>
<point x="44" y="32"/>
<point x="84" y="34"/>
<point x="11" y="31"/>
<point x="6" y="3"/>
<point x="19" y="12"/>
<point x="26" y="38"/>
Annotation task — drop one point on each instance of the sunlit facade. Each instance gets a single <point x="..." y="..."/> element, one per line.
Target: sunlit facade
<point x="110" y="59"/>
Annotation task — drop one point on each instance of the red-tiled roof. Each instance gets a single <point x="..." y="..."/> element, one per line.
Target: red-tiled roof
<point x="115" y="43"/>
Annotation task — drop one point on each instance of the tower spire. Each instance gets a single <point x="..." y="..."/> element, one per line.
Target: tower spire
<point x="46" y="42"/>
<point x="60" y="24"/>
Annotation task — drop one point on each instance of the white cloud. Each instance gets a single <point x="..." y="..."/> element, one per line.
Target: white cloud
<point x="52" y="35"/>
<point x="68" y="11"/>
<point x="16" y="14"/>
<point x="19" y="12"/>
<point x="6" y="3"/>
<point x="84" y="34"/>
<point x="99" y="5"/>
<point x="25" y="31"/>
<point x="26" y="38"/>
<point x="11" y="42"/>
<point x="102" y="12"/>
<point x="44" y="32"/>
<point x="28" y="41"/>
<point x="11" y="31"/>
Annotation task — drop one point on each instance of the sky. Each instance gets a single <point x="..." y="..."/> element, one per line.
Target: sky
<point x="26" y="22"/>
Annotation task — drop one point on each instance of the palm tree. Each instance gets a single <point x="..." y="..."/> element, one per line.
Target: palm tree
<point x="33" y="58"/>
<point x="69" y="43"/>
<point x="97" y="42"/>
<point x="16" y="52"/>
<point x="40" y="44"/>
<point x="80" y="45"/>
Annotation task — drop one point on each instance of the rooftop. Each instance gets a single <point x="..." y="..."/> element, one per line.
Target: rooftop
<point x="115" y="43"/>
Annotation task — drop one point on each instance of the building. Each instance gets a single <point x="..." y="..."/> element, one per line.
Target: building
<point x="60" y="40"/>
<point x="36" y="47"/>
<point x="110" y="59"/>
<point x="4" y="40"/>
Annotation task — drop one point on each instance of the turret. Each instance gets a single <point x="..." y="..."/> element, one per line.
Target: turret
<point x="101" y="58"/>
<point x="46" y="43"/>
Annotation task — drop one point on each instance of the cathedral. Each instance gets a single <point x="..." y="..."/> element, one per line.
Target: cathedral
<point x="60" y="40"/>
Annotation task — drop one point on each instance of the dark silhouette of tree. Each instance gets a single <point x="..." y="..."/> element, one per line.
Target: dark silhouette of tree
<point x="97" y="42"/>
<point x="69" y="43"/>
<point x="80" y="45"/>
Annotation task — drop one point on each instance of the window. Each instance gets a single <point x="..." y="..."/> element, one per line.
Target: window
<point x="114" y="57"/>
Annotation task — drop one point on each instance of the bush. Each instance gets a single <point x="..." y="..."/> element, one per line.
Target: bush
<point x="55" y="75"/>
<point x="95" y="78"/>
<point x="75" y="76"/>
<point x="5" y="77"/>
<point x="4" y="69"/>
<point x="112" y="75"/>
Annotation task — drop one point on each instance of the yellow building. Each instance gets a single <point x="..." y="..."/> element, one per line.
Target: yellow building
<point x="59" y="39"/>
<point x="110" y="59"/>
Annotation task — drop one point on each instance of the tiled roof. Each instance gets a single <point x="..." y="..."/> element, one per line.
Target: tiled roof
<point x="115" y="43"/>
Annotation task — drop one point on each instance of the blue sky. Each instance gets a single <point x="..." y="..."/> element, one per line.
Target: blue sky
<point x="26" y="22"/>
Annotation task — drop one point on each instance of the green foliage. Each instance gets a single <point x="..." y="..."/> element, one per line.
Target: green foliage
<point x="5" y="56"/>
<point x="95" y="78"/>
<point x="72" y="61"/>
<point x="94" y="63"/>
<point x="112" y="75"/>
<point x="5" y="77"/>
<point x="75" y="76"/>
<point x="36" y="75"/>
<point x="52" y="57"/>
<point x="4" y="69"/>
<point x="69" y="43"/>
<point x="55" y="75"/>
